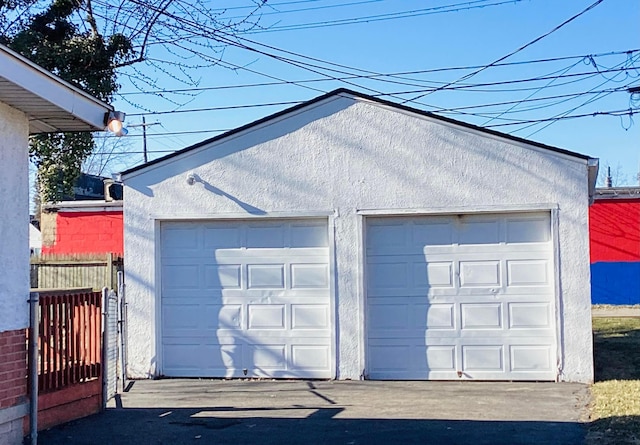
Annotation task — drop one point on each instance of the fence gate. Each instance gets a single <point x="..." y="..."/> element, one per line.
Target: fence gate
<point x="69" y="363"/>
<point x="113" y="339"/>
<point x="111" y="303"/>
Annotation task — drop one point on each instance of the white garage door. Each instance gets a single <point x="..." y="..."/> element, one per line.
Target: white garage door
<point x="246" y="298"/>
<point x="461" y="297"/>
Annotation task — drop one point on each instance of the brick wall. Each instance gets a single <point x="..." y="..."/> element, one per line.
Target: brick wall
<point x="85" y="232"/>
<point x="13" y="368"/>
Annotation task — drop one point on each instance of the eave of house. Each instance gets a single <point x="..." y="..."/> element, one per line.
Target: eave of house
<point x="51" y="104"/>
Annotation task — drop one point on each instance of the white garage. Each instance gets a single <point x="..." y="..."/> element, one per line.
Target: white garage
<point x="240" y="297"/>
<point x="353" y="238"/>
<point x="461" y="295"/>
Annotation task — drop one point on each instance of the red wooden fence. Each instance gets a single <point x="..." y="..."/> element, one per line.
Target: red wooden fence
<point x="70" y="339"/>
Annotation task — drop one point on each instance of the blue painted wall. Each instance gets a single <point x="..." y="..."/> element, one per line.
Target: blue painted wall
<point x="615" y="283"/>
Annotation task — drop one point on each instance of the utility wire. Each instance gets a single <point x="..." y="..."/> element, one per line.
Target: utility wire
<point x="459" y="87"/>
<point x="383" y="17"/>
<point x="537" y="39"/>
<point x="630" y="112"/>
<point x="367" y="76"/>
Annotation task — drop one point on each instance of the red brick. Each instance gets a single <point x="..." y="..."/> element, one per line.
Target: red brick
<point x="13" y="375"/>
<point x="12" y="366"/>
<point x="16" y="347"/>
<point x="9" y="386"/>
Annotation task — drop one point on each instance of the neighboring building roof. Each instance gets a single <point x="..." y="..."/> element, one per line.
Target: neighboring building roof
<point x="52" y="104"/>
<point x="84" y="206"/>
<point x="93" y="187"/>
<point x="35" y="237"/>
<point x="626" y="192"/>
<point x="356" y="95"/>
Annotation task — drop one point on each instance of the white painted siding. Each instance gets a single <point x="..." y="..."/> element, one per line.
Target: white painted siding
<point x="14" y="225"/>
<point x="342" y="156"/>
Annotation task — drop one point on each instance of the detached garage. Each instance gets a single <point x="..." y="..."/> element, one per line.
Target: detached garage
<point x="351" y="237"/>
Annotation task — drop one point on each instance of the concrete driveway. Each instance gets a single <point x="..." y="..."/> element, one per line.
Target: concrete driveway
<point x="189" y="411"/>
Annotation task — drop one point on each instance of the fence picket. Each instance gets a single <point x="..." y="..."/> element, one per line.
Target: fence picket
<point x="70" y="334"/>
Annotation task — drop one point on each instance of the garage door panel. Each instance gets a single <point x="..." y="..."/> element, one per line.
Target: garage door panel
<point x="482" y="358"/>
<point x="438" y="316"/>
<point x="432" y="274"/>
<point x="389" y="275"/>
<point x="530" y="315"/>
<point x="266" y="316"/>
<point x="310" y="316"/>
<point x="248" y="291"/>
<point x="478" y="232"/>
<point x="265" y="276"/>
<point x="408" y="316"/>
<point x="180" y="318"/>
<point x="222" y="237"/>
<point x="481" y="316"/>
<point x="440" y="358"/>
<point x="309" y="235"/>
<point x="265" y="356"/>
<point x="528" y="230"/>
<point x="389" y="358"/>
<point x="432" y="233"/>
<point x="477" y="303"/>
<point x="388" y="316"/>
<point x="184" y="276"/>
<point x="182" y="237"/>
<point x="265" y="236"/>
<point x="480" y="273"/>
<point x="190" y="359"/>
<point x="310" y="357"/>
<point x="528" y="272"/>
<point x="527" y="358"/>
<point x="226" y="276"/>
<point x="309" y="276"/>
<point x="409" y="272"/>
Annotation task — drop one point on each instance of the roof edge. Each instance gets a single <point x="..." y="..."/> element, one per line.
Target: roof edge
<point x="34" y="66"/>
<point x="361" y="96"/>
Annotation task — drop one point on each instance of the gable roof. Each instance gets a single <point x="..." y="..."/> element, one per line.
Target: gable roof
<point x="51" y="104"/>
<point x="356" y="95"/>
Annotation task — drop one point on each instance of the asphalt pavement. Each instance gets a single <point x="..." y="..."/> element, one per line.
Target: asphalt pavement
<point x="200" y="411"/>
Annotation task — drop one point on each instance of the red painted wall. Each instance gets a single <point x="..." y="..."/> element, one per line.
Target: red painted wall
<point x="87" y="232"/>
<point x="614" y="230"/>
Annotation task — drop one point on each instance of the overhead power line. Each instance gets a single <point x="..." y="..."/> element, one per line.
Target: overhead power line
<point x="456" y="7"/>
<point x="532" y="42"/>
<point x="616" y="113"/>
<point x="630" y="112"/>
<point x="396" y="93"/>
<point x="377" y="76"/>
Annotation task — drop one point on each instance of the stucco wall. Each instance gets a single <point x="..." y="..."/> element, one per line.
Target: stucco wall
<point x="341" y="156"/>
<point x="14" y="225"/>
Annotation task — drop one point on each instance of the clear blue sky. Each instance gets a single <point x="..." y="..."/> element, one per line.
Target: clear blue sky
<point x="417" y="37"/>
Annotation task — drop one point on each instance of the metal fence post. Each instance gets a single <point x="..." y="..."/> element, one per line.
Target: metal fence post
<point x="104" y="346"/>
<point x="34" y="300"/>
<point x="122" y="334"/>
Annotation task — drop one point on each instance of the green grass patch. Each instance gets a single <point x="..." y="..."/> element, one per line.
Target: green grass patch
<point x="615" y="404"/>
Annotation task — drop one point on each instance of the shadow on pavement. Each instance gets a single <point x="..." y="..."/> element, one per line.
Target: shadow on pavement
<point x="297" y="425"/>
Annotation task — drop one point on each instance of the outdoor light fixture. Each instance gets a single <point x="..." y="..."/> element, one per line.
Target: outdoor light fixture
<point x="115" y="124"/>
<point x="191" y="179"/>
